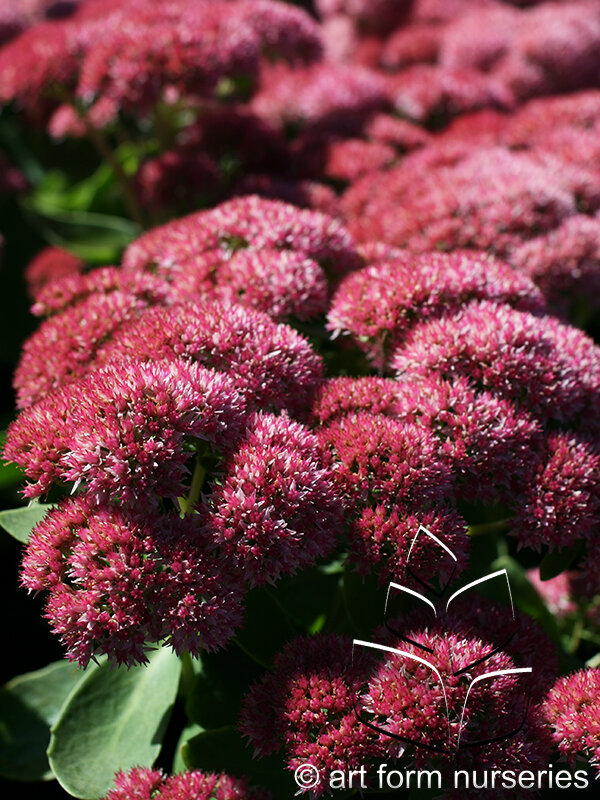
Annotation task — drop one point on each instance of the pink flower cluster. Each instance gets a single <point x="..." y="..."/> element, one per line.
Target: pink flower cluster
<point x="145" y="400"/>
<point x="113" y="59"/>
<point x="571" y="711"/>
<point x="322" y="689"/>
<point x="144" y="783"/>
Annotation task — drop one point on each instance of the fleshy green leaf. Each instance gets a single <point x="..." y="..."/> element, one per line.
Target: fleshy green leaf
<point x="266" y="627"/>
<point x="216" y="694"/>
<point x="114" y="719"/>
<point x="223" y="750"/>
<point x="19" y="522"/>
<point x="187" y="733"/>
<point x="558" y="561"/>
<point x="29" y="706"/>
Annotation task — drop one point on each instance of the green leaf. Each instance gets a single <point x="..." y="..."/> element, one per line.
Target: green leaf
<point x="558" y="561"/>
<point x="19" y="522"/>
<point x="187" y="733"/>
<point x="524" y="595"/>
<point x="216" y="695"/>
<point x="29" y="706"/>
<point x="364" y="599"/>
<point x="223" y="750"/>
<point x="94" y="237"/>
<point x="114" y="719"/>
<point x="266" y="626"/>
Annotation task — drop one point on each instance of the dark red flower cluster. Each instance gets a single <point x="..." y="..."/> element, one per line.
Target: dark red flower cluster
<point x="321" y="689"/>
<point x="113" y="59"/>
<point x="144" y="783"/>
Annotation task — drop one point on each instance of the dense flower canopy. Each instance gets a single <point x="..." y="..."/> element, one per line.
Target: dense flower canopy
<point x="313" y="288"/>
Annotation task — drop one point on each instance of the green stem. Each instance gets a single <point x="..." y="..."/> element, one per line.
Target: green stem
<point x="486" y="528"/>
<point x="252" y="656"/>
<point x="100" y="143"/>
<point x="576" y="637"/>
<point x="187" y="504"/>
<point x="187" y="674"/>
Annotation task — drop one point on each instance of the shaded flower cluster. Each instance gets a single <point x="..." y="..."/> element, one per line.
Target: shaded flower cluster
<point x="571" y="711"/>
<point x="321" y="690"/>
<point x="119" y="580"/>
<point x="144" y="783"/>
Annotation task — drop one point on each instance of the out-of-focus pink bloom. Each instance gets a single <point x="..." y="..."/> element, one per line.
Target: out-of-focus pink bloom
<point x="143" y="783"/>
<point x="339" y="95"/>
<point x="129" y="58"/>
<point x="400" y="133"/>
<point x="48" y="265"/>
<point x="123" y="430"/>
<point x="379" y="16"/>
<point x="418" y="43"/>
<point x="301" y="193"/>
<point x="427" y="92"/>
<point x="348" y="159"/>
<point x="272" y="365"/>
<point x="276" y="508"/>
<point x="556" y="592"/>
<point x="564" y="263"/>
<point x="222" y="145"/>
<point x="572" y="711"/>
<point x="378" y="305"/>
<point x="561" y="503"/>
<point x="119" y="582"/>
<point x="492" y="199"/>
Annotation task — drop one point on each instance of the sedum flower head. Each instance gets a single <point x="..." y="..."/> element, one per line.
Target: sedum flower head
<point x="125" y="430"/>
<point x="116" y="58"/>
<point x="276" y="508"/>
<point x="119" y="581"/>
<point x="571" y="711"/>
<point x="378" y="305"/>
<point x="306" y="705"/>
<point x="50" y="264"/>
<point x="561" y="501"/>
<point x="549" y="368"/>
<point x="143" y="783"/>
<point x="286" y="252"/>
<point x="272" y="365"/>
